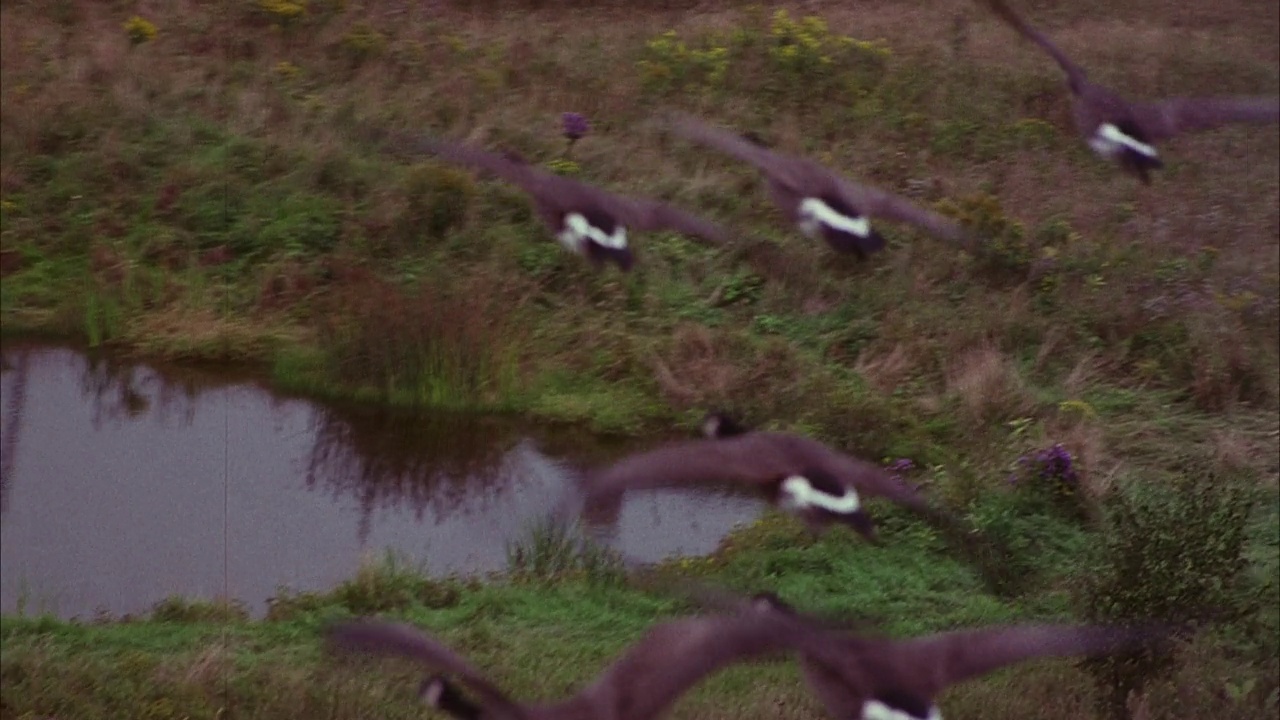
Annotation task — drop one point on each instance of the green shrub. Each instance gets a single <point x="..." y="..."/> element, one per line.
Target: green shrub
<point x="1004" y="252"/>
<point x="382" y="586"/>
<point x="1023" y="539"/>
<point x="554" y="550"/>
<point x="1172" y="552"/>
<point x="436" y="201"/>
<point x="181" y="610"/>
<point x="669" y="64"/>
<point x="302" y="224"/>
<point x="787" y="59"/>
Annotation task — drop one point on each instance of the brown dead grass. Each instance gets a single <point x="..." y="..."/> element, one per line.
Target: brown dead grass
<point x="206" y="667"/>
<point x="202" y="333"/>
<point x="888" y="370"/>
<point x="702" y="367"/>
<point x="1086" y="440"/>
<point x="987" y="385"/>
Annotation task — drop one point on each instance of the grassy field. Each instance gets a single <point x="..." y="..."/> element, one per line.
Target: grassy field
<point x="198" y="183"/>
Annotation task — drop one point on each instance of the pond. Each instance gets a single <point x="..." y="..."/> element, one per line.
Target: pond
<point x="124" y="483"/>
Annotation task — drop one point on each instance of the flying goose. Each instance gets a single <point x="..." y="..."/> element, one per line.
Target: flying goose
<point x="862" y="676"/>
<point x="987" y="552"/>
<point x="795" y="473"/>
<point x="820" y="202"/>
<point x="586" y="220"/>
<point x="1126" y="132"/>
<point x="642" y="684"/>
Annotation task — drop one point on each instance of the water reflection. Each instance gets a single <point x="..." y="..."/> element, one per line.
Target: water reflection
<point x="124" y="483"/>
<point x="442" y="463"/>
<point x="14" y="398"/>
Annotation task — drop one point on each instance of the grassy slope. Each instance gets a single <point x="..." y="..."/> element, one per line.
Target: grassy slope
<point x="546" y="638"/>
<point x="207" y="195"/>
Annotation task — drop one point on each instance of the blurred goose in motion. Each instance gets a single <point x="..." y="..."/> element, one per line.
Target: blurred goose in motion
<point x="819" y="202"/>
<point x="642" y="684"/>
<point x="585" y="219"/>
<point x="863" y="676"/>
<point x="795" y="473"/>
<point x="1127" y="132"/>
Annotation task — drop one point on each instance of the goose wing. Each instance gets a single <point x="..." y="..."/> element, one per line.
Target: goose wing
<point x="403" y="640"/>
<point x="879" y="203"/>
<point x="953" y="657"/>
<point x="867" y="478"/>
<point x="645" y="214"/>
<point x="511" y="169"/>
<point x="792" y="172"/>
<point x="1169" y="117"/>
<point x="691" y="462"/>
<point x="673" y="657"/>
<point x="1076" y="76"/>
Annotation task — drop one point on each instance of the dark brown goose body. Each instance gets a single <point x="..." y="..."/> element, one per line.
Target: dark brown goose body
<point x="864" y="677"/>
<point x="832" y="489"/>
<point x="1126" y="132"/>
<point x="643" y="684"/>
<point x="843" y="208"/>
<point x="585" y="219"/>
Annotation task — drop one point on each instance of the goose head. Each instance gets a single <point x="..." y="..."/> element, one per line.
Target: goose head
<point x="820" y="500"/>
<point x="720" y="425"/>
<point x="1125" y="144"/>
<point x="597" y="236"/>
<point x="770" y="602"/>
<point x="439" y="693"/>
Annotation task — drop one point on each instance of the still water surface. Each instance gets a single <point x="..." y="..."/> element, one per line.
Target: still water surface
<point x="125" y="483"/>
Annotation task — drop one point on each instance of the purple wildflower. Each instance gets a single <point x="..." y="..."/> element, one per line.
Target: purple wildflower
<point x="1053" y="464"/>
<point x="575" y="125"/>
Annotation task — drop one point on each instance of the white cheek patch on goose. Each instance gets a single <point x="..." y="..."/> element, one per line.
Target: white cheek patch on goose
<point x="432" y="692"/>
<point x="711" y="427"/>
<point x="1108" y="140"/>
<point x="876" y="710"/>
<point x="815" y="213"/>
<point x="799" y="493"/>
<point x="577" y="231"/>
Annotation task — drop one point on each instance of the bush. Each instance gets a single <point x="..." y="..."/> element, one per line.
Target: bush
<point x="1050" y="476"/>
<point x="1005" y="254"/>
<point x="381" y="586"/>
<point x="436" y="201"/>
<point x="177" y="609"/>
<point x="799" y="60"/>
<point x="301" y="224"/>
<point x="553" y="551"/>
<point x="1171" y="553"/>
<point x="432" y="345"/>
<point x="1023" y="539"/>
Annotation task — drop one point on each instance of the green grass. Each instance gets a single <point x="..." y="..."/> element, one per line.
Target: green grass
<point x="187" y="198"/>
<point x="552" y="624"/>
